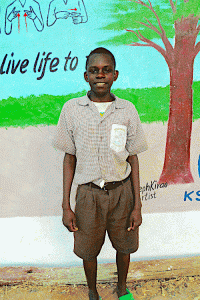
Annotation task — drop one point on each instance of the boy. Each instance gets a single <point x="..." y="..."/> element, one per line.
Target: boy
<point x="101" y="136"/>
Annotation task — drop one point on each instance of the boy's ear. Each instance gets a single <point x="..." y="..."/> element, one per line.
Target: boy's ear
<point x="86" y="76"/>
<point x="116" y="74"/>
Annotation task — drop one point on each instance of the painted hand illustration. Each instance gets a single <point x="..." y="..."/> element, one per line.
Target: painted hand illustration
<point x="62" y="9"/>
<point x="62" y="15"/>
<point x="14" y="13"/>
<point x="30" y="13"/>
<point x="77" y="19"/>
<point x="28" y="9"/>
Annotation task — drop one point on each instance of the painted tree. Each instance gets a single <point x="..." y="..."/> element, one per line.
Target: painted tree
<point x="170" y="27"/>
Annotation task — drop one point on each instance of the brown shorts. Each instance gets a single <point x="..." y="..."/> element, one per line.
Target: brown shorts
<point x="98" y="211"/>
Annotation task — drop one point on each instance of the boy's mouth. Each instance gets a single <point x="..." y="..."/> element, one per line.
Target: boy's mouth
<point x="100" y="84"/>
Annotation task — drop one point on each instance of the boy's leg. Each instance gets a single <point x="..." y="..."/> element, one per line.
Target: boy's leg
<point x="123" y="261"/>
<point x="124" y="241"/>
<point x="91" y="211"/>
<point x="90" y="268"/>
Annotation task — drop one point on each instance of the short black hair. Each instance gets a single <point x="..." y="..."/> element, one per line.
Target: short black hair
<point x="100" y="50"/>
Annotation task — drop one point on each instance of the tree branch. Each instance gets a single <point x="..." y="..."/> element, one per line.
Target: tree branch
<point x="149" y="43"/>
<point x="151" y="26"/>
<point x="173" y="6"/>
<point x="198" y="29"/>
<point x="141" y="2"/>
<point x="139" y="44"/>
<point x="165" y="40"/>
<point x="163" y="35"/>
<point x="151" y="23"/>
<point x="152" y="44"/>
<point x="150" y="4"/>
<point x="196" y="49"/>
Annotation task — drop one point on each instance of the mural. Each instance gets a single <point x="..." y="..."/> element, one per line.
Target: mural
<point x="42" y="61"/>
<point x="164" y="21"/>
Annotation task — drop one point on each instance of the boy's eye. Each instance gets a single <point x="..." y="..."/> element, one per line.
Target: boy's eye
<point x="107" y="70"/>
<point x="94" y="71"/>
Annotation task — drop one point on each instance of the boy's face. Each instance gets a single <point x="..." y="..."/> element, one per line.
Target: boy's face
<point x="100" y="74"/>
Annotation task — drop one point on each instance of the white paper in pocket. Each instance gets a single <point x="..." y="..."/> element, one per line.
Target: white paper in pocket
<point x="118" y="137"/>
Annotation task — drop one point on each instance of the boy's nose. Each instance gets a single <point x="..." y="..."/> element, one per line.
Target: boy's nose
<point x="101" y="74"/>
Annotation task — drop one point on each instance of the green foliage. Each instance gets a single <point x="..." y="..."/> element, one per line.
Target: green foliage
<point x="124" y="14"/>
<point x="186" y="8"/>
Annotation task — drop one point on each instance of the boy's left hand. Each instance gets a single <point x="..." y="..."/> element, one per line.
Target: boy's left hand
<point x="135" y="219"/>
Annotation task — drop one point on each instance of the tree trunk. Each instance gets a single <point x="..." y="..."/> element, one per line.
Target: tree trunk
<point x="176" y="167"/>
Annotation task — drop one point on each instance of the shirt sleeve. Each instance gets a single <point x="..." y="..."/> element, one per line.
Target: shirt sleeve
<point x="136" y="141"/>
<point x="63" y="139"/>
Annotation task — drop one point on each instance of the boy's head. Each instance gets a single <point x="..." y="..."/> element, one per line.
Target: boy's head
<point x="100" y="73"/>
<point x="100" y="50"/>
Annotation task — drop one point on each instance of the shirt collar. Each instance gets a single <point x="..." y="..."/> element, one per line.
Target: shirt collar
<point x="84" y="100"/>
<point x="119" y="103"/>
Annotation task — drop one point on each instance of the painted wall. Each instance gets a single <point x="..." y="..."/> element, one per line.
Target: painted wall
<point x="42" y="59"/>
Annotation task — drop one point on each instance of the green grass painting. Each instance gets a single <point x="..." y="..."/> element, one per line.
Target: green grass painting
<point x="152" y="105"/>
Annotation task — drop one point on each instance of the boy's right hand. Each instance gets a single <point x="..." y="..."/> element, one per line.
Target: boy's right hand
<point x="69" y="220"/>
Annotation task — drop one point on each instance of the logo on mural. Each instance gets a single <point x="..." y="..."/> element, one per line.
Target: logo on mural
<point x="199" y="166"/>
<point x="148" y="191"/>
<point x="64" y="9"/>
<point x="19" y="11"/>
<point x="191" y="195"/>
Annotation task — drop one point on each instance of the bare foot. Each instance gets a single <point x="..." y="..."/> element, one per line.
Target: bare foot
<point x="121" y="291"/>
<point x="93" y="295"/>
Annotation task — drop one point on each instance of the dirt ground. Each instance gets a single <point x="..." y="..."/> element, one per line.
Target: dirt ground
<point x="148" y="280"/>
<point x="177" y="288"/>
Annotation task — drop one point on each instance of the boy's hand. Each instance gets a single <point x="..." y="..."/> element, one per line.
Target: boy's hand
<point x="69" y="220"/>
<point x="135" y="219"/>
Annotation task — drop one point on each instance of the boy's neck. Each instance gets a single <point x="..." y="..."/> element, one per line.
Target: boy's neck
<point x="95" y="98"/>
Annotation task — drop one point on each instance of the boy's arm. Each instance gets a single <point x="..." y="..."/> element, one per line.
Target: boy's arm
<point x="69" y="165"/>
<point x="136" y="216"/>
